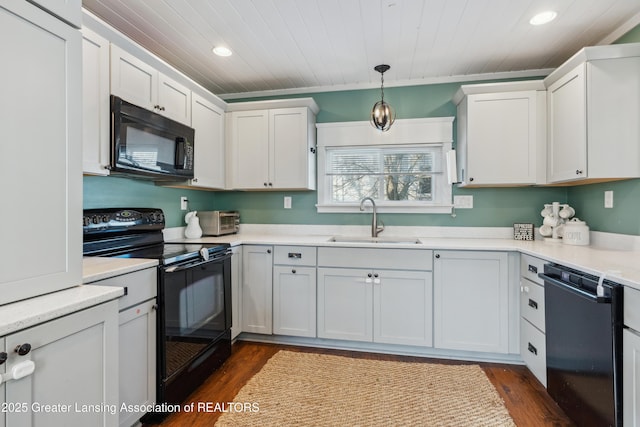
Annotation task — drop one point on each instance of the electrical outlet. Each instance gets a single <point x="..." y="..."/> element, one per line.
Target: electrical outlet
<point x="184" y="203"/>
<point x="608" y="199"/>
<point x="287" y="202"/>
<point x="463" y="202"/>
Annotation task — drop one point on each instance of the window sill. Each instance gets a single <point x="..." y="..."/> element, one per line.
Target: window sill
<point x="355" y="208"/>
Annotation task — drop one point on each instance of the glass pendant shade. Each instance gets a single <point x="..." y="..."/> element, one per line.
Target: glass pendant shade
<point x="382" y="115"/>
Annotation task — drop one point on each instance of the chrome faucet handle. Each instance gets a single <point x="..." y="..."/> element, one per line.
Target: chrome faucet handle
<point x="379" y="229"/>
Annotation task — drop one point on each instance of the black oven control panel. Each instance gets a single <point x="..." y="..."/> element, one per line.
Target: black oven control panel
<point x="107" y="220"/>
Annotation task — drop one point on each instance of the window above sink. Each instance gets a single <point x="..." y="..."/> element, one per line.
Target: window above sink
<point x="403" y="169"/>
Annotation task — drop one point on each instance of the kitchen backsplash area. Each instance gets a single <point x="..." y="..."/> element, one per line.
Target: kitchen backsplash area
<point x="492" y="207"/>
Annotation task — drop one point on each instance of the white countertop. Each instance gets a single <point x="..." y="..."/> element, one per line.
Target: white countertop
<point x="33" y="311"/>
<point x="98" y="268"/>
<point x="620" y="266"/>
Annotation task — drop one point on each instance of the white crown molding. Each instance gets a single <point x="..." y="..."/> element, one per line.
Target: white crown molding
<point x="622" y="30"/>
<point x="412" y="82"/>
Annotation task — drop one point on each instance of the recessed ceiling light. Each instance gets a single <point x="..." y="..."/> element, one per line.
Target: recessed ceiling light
<point x="222" y="51"/>
<point x="543" y="18"/>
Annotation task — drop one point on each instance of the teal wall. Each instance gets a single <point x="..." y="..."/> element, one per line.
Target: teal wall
<point x="109" y="191"/>
<point x="497" y="207"/>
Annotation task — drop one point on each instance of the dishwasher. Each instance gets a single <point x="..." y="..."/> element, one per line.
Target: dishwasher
<point x="584" y="322"/>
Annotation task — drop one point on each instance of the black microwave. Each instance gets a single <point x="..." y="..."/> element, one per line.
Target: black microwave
<point x="147" y="145"/>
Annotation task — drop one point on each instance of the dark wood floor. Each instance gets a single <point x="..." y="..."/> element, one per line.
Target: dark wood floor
<point x="525" y="398"/>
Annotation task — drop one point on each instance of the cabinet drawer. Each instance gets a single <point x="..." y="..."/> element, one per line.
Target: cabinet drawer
<point x="632" y="308"/>
<point x="397" y="259"/>
<point x="140" y="286"/>
<point x="532" y="303"/>
<point x="294" y="255"/>
<point x="533" y="349"/>
<point x="530" y="267"/>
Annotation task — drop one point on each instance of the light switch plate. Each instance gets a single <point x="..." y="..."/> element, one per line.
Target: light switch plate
<point x="463" y="202"/>
<point x="287" y="202"/>
<point x="608" y="199"/>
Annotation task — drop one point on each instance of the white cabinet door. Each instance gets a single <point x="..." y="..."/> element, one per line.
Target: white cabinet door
<point x="503" y="138"/>
<point x="2" y="394"/>
<point x="567" y="111"/>
<point x="345" y="304"/>
<point x="294" y="301"/>
<point x="209" y="163"/>
<point x="133" y="80"/>
<point x="95" y="103"/>
<point x="76" y="367"/>
<point x="137" y="360"/>
<point x="68" y="10"/>
<point x="271" y="149"/>
<point x="174" y="100"/>
<point x="236" y="291"/>
<point x="402" y="307"/>
<point x="249" y="148"/>
<point x="41" y="107"/>
<point x="471" y="301"/>
<point x="631" y="377"/>
<point x="290" y="148"/>
<point x="257" y="287"/>
<point x="139" y="83"/>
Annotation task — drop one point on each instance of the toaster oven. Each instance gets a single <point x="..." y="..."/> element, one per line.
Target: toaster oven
<point x="217" y="223"/>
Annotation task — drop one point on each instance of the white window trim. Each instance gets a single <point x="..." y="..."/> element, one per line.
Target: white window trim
<point x="436" y="131"/>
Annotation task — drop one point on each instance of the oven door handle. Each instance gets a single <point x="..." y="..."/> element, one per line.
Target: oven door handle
<point x="182" y="267"/>
<point x="577" y="291"/>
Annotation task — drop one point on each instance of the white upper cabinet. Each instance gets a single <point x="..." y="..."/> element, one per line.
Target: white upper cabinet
<point x="95" y="103"/>
<point x="67" y="10"/>
<point x="208" y="121"/>
<point x="141" y="84"/>
<point x="272" y="148"/>
<point x="593" y="110"/>
<point x="501" y="134"/>
<point x="41" y="106"/>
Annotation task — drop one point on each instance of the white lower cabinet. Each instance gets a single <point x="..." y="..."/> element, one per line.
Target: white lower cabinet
<point x="76" y="371"/>
<point x="631" y="377"/>
<point x="381" y="304"/>
<point x="631" y="358"/>
<point x="236" y="291"/>
<point x="471" y="301"/>
<point x="533" y="345"/>
<point x="294" y="291"/>
<point x="294" y="301"/>
<point x="137" y="358"/>
<point x="2" y="401"/>
<point x="257" y="287"/>
<point x="345" y="304"/>
<point x="137" y="341"/>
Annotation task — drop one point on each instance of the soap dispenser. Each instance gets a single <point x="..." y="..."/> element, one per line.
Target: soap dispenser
<point x="193" y="230"/>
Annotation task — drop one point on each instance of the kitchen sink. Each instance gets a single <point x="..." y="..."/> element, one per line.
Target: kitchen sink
<point x="385" y="240"/>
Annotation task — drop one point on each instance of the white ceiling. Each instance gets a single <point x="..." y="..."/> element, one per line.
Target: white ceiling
<point x="288" y="46"/>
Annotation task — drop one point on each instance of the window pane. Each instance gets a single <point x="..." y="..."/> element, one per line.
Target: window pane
<point x="408" y="187"/>
<point x="389" y="174"/>
<point x="358" y="162"/>
<point x="353" y="188"/>
<point x="408" y="162"/>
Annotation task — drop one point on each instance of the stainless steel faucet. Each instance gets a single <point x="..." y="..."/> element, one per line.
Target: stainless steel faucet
<point x="375" y="230"/>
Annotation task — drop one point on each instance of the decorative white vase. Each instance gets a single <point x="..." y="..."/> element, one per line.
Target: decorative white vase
<point x="193" y="230"/>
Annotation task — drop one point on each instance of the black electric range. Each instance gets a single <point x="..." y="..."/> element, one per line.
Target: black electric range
<point x="193" y="319"/>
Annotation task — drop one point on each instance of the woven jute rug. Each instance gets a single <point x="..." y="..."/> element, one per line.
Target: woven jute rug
<point x="305" y="389"/>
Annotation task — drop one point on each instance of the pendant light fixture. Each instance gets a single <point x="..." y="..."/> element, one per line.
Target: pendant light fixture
<point x="382" y="115"/>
